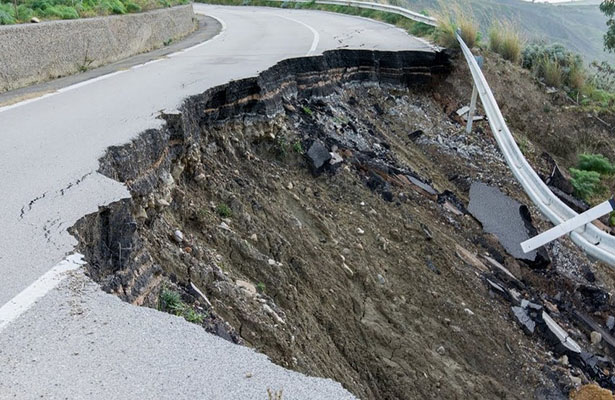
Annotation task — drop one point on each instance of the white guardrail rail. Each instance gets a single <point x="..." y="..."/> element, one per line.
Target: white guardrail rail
<point x="590" y="238"/>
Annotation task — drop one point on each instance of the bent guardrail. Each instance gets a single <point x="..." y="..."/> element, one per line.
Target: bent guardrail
<point x="590" y="238"/>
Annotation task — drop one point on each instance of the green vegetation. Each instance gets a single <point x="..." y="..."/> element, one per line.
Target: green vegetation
<point x="20" y="11"/>
<point x="410" y="26"/>
<point x="260" y="287"/>
<point x="451" y="19"/>
<point x="612" y="219"/>
<point x="307" y="110"/>
<point x="597" y="163"/>
<point x="224" y="211"/>
<point x="590" y="177"/>
<point x="297" y="147"/>
<point x="506" y="41"/>
<point x="171" y="302"/>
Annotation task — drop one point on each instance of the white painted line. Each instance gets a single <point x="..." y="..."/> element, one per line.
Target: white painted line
<point x="315" y="34"/>
<point x="112" y="74"/>
<point x="39" y="288"/>
<point x="568" y="226"/>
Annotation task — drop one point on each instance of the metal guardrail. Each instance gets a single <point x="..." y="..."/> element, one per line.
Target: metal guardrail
<point x="373" y="6"/>
<point x="590" y="238"/>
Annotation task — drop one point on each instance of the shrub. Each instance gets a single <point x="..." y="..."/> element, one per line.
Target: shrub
<point x="597" y="163"/>
<point x="224" y="211"/>
<point x="171" y="302"/>
<point x="562" y="66"/>
<point x="7" y="14"/>
<point x="60" y="12"/>
<point x="586" y="183"/>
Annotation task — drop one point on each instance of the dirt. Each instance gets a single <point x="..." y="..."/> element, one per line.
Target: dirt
<point x="349" y="271"/>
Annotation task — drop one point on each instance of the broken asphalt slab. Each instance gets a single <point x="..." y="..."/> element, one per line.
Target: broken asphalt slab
<point x="507" y="219"/>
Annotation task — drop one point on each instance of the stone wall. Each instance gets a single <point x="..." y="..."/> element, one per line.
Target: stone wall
<point x="32" y="53"/>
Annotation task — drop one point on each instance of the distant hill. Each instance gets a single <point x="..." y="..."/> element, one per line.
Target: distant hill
<point x="579" y="26"/>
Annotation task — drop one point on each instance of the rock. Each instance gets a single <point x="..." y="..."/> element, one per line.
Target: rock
<point x="178" y="236"/>
<point x="35" y="20"/>
<point x="381" y="279"/>
<point x="563" y="360"/>
<point x="468" y="311"/>
<point x="346" y="251"/>
<point x="610" y="322"/>
<point x="415" y="135"/>
<point x="246" y="286"/>
<point x="441" y="350"/>
<point x="432" y="266"/>
<point x="289" y="186"/>
<point x="576" y="381"/>
<point x="318" y="155"/>
<point x="347" y="269"/>
<point x="596" y="337"/>
<point x="140" y="213"/>
<point x="275" y="316"/>
<point x="271" y="262"/>
<point x="360" y="231"/>
<point x="335" y="158"/>
<point x="224" y="225"/>
<point x="254" y="237"/>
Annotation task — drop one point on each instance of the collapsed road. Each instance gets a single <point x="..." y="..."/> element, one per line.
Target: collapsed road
<point x="323" y="214"/>
<point x="78" y="341"/>
<point x="313" y="213"/>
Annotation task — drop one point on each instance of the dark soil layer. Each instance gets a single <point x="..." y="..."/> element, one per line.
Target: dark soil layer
<point x="366" y="269"/>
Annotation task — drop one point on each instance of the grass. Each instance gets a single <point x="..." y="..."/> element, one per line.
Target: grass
<point x="260" y="287"/>
<point x="451" y="18"/>
<point x="224" y="211"/>
<point x="505" y="40"/>
<point x="23" y="10"/>
<point x="297" y="147"/>
<point x="171" y="302"/>
<point x="551" y="71"/>
<point x="307" y="110"/>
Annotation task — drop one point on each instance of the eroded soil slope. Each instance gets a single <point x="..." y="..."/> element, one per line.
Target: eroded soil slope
<point x="318" y="214"/>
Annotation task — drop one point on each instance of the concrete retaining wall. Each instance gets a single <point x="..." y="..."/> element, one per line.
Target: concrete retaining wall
<point x="33" y="53"/>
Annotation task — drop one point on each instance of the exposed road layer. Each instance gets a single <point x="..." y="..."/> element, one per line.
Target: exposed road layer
<point x="48" y="180"/>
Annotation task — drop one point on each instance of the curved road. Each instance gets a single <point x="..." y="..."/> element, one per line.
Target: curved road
<point x="77" y="342"/>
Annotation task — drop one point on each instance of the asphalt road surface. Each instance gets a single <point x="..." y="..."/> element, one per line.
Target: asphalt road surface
<point x="77" y="342"/>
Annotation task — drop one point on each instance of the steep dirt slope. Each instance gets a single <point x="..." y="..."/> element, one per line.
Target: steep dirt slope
<point x="318" y="214"/>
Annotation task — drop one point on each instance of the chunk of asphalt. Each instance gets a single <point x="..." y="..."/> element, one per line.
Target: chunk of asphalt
<point x="507" y="219"/>
<point x="559" y="337"/>
<point x="524" y="319"/>
<point x="318" y="156"/>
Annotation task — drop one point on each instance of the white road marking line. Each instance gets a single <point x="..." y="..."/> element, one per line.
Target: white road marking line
<point x="21" y="303"/>
<point x="112" y="74"/>
<point x="316" y="35"/>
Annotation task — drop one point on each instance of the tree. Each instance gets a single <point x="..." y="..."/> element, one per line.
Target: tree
<point x="608" y="8"/>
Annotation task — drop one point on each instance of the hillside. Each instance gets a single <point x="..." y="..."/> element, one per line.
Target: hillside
<point x="578" y="27"/>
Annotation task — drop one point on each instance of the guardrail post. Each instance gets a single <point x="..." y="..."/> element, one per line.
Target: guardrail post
<point x="472" y="108"/>
<point x="479" y="61"/>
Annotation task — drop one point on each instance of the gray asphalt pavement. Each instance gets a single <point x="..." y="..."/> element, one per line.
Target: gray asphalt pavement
<point x="49" y="151"/>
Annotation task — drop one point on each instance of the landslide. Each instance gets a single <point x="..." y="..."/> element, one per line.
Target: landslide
<point x="365" y="269"/>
